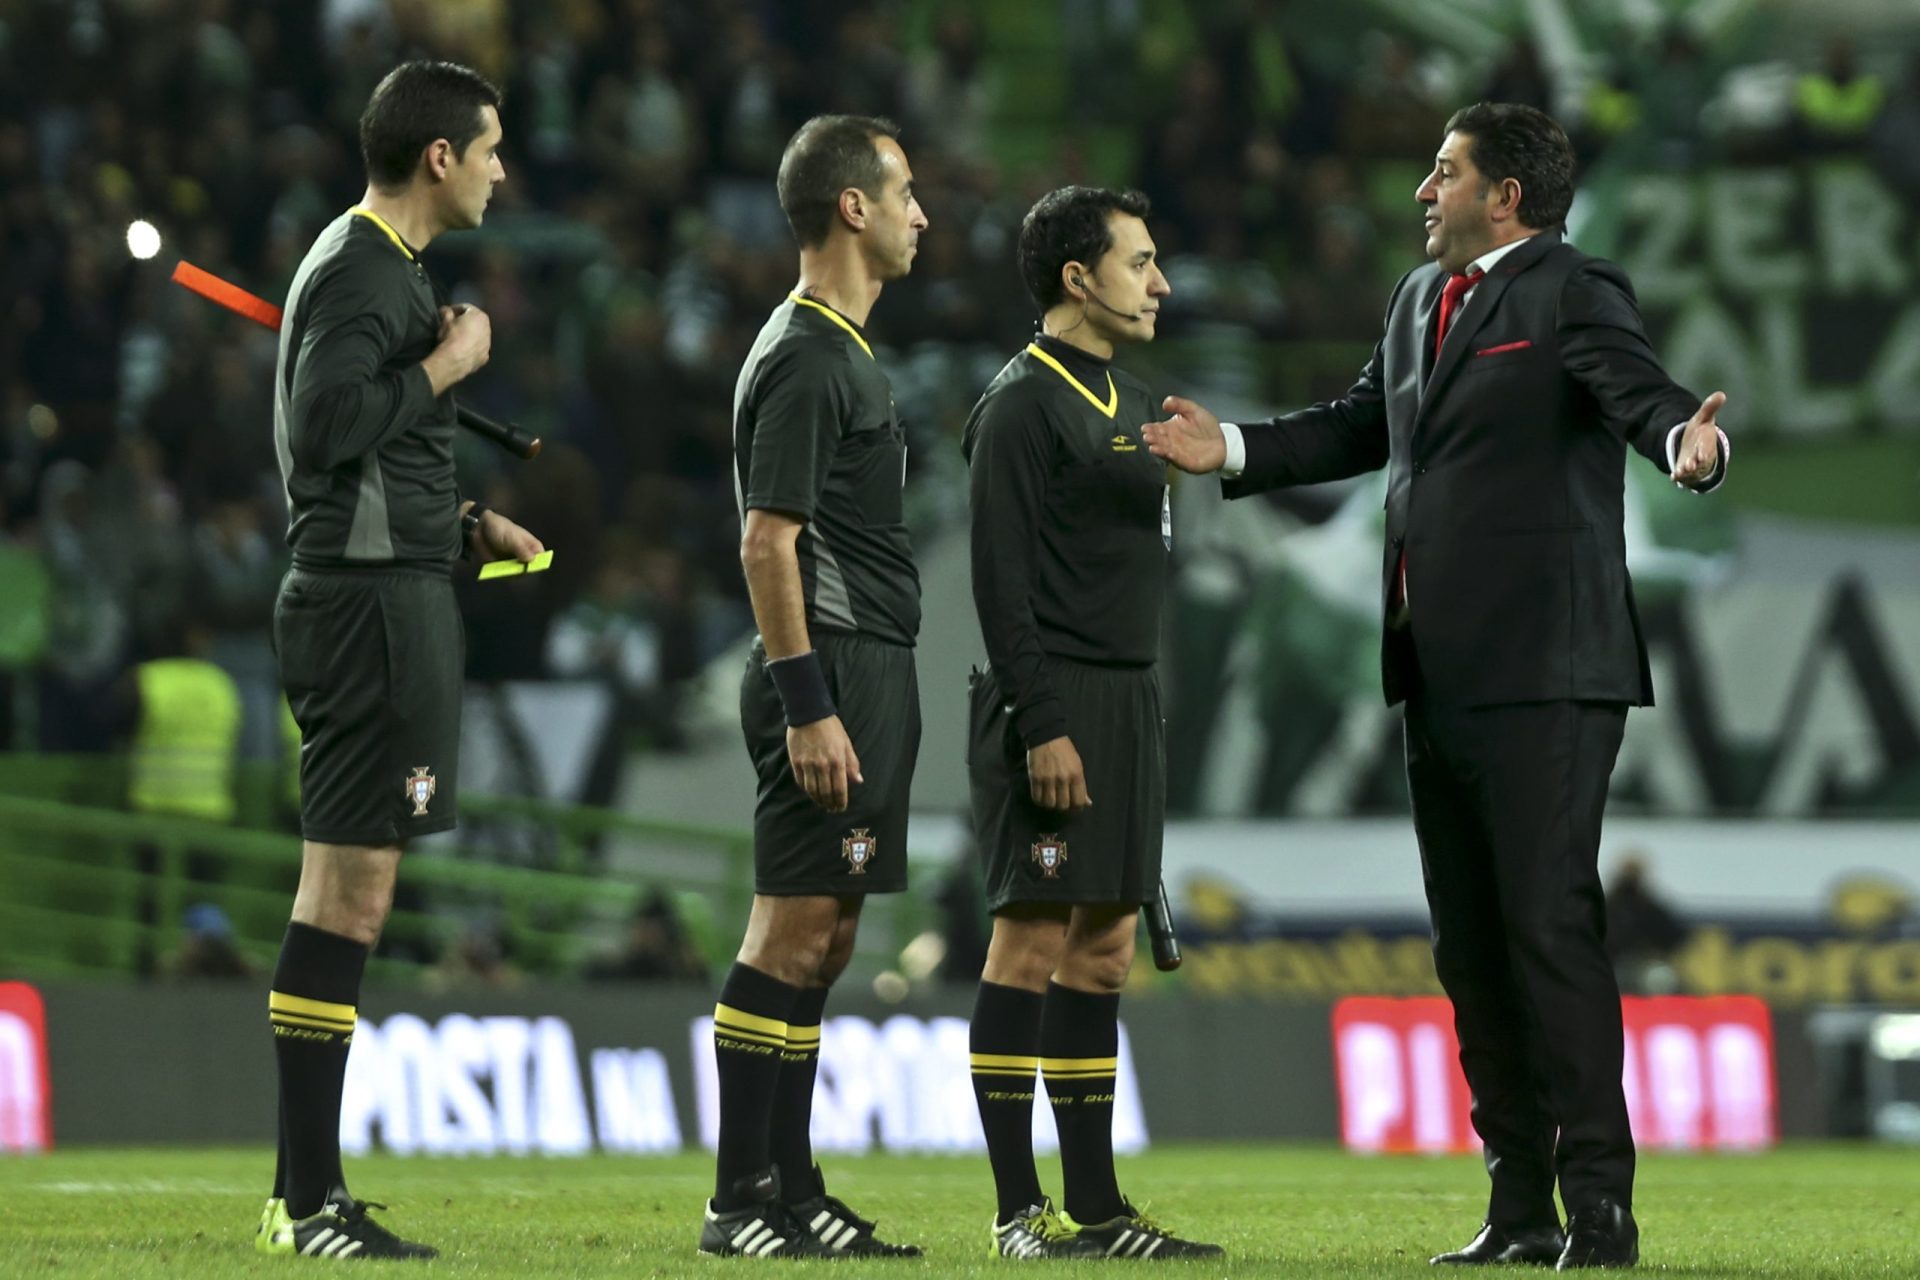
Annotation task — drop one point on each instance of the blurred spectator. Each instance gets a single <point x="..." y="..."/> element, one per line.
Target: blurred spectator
<point x="866" y="71"/>
<point x="151" y="566"/>
<point x="1333" y="295"/>
<point x="640" y="128"/>
<point x="1521" y="77"/>
<point x="608" y="635"/>
<point x="946" y="86"/>
<point x="1643" y="932"/>
<point x="72" y="348"/>
<point x="1612" y="111"/>
<point x="208" y="951"/>
<point x="1837" y="105"/>
<point x="633" y="632"/>
<point x="88" y="641"/>
<point x="476" y="961"/>
<point x="187" y="736"/>
<point x="657" y="948"/>
<point x="1673" y="88"/>
<point x="1896" y="134"/>
<point x="633" y="253"/>
<point x="235" y="579"/>
<point x="965" y="924"/>
<point x="1194" y="166"/>
<point x="1390" y="115"/>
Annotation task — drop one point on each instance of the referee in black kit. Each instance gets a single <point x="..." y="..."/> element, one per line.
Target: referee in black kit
<point x="369" y="641"/>
<point x="1066" y="744"/>
<point x="829" y="705"/>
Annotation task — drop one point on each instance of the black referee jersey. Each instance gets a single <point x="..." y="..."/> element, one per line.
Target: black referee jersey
<point x="1070" y="524"/>
<point x="815" y="436"/>
<point x="366" y="451"/>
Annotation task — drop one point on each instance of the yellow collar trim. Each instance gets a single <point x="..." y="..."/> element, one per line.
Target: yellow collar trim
<point x="361" y="211"/>
<point x="1112" y="404"/>
<point x="837" y="318"/>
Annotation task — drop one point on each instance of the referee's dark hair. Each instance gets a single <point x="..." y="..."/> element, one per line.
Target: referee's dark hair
<point x="1073" y="224"/>
<point x="1512" y="140"/>
<point x="416" y="105"/>
<point x="828" y="155"/>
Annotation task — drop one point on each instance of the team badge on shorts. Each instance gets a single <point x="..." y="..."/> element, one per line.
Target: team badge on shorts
<point x="859" y="849"/>
<point x="419" y="789"/>
<point x="1050" y="854"/>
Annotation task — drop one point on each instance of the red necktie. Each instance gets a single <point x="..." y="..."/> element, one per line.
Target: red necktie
<point x="1450" y="299"/>
<point x="1457" y="286"/>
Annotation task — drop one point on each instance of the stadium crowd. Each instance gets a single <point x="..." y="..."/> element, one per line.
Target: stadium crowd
<point x="634" y="251"/>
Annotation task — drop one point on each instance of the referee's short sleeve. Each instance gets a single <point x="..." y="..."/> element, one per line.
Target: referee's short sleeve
<point x="800" y="406"/>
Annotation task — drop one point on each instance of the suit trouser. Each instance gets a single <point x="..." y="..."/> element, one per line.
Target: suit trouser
<point x="1507" y="803"/>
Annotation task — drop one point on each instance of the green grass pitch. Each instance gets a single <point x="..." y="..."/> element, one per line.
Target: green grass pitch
<point x="1803" y="1211"/>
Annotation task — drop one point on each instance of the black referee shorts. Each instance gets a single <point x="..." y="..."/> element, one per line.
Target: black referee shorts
<point x="372" y="661"/>
<point x="1107" y="854"/>
<point x="798" y="847"/>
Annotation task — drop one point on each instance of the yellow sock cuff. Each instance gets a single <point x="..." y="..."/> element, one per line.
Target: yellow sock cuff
<point x="738" y="1024"/>
<point x="314" y="1015"/>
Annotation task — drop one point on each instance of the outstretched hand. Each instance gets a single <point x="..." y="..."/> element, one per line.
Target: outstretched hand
<point x="1699" y="451"/>
<point x="1190" y="439"/>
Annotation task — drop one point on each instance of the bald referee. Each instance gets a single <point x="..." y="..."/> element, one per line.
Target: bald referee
<point x="369" y="641"/>
<point x="830" y="704"/>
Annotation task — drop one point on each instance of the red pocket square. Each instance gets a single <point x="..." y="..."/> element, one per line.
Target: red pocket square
<point x="1521" y="345"/>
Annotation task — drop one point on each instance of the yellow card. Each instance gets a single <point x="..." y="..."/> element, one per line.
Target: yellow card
<point x="513" y="568"/>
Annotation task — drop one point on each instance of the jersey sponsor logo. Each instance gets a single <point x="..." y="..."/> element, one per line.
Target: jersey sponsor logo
<point x="420" y="788"/>
<point x="1121" y="444"/>
<point x="1050" y="855"/>
<point x="859" y="849"/>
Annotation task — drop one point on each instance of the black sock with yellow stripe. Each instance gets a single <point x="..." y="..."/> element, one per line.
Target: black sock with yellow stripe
<point x="315" y="988"/>
<point x="1079" y="1056"/>
<point x="749" y="1035"/>
<point x="793" y="1098"/>
<point x="1004" y="1040"/>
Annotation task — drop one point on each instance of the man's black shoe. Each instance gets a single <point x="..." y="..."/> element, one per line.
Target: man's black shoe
<point x="1603" y="1234"/>
<point x="841" y="1230"/>
<point x="761" y="1228"/>
<point x="1541" y="1246"/>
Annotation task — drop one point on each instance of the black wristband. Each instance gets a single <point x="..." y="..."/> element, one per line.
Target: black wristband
<point x="802" y="686"/>
<point x="470" y="518"/>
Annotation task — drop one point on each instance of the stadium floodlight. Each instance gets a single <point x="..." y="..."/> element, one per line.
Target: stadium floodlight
<point x="143" y="239"/>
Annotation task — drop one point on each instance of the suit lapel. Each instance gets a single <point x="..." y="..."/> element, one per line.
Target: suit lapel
<point x="1478" y="307"/>
<point x="1420" y="308"/>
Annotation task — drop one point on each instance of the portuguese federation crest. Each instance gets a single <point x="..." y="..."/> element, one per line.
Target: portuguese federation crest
<point x="1050" y="855"/>
<point x="419" y="788"/>
<point x="859" y="849"/>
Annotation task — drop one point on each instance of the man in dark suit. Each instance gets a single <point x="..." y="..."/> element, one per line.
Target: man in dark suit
<point x="1513" y="376"/>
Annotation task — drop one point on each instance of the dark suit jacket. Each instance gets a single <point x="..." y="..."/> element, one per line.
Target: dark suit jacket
<point x="1506" y="466"/>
